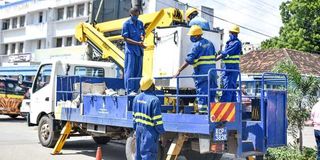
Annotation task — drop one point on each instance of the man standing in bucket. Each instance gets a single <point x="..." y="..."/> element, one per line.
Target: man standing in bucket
<point x="133" y="33"/>
<point x="148" y="124"/>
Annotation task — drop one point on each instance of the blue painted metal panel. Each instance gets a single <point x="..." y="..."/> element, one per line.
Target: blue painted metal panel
<point x="105" y="106"/>
<point x="276" y="119"/>
<point x="252" y="135"/>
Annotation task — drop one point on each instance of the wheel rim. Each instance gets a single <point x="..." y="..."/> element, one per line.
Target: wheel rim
<point x="45" y="131"/>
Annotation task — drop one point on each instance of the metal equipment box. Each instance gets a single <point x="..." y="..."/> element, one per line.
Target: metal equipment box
<point x="172" y="47"/>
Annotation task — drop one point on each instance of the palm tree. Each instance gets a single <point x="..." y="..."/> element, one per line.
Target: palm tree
<point x="301" y="97"/>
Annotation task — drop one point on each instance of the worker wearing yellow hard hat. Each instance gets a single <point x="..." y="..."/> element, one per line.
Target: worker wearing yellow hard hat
<point x="147" y="123"/>
<point x="202" y="58"/>
<point x="193" y="18"/>
<point x="231" y="60"/>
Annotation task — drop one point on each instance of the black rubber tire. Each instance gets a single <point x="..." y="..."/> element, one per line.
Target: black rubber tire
<point x="191" y="154"/>
<point x="14" y="116"/>
<point x="131" y="149"/>
<point x="47" y="137"/>
<point x="101" y="139"/>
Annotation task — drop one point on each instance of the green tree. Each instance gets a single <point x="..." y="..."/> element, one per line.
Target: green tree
<point x="301" y="97"/>
<point x="300" y="31"/>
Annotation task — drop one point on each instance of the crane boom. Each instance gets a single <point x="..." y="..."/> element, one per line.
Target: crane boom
<point x="94" y="35"/>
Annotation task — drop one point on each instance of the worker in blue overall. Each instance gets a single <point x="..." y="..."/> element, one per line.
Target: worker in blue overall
<point x="231" y="60"/>
<point x="148" y="124"/>
<point x="202" y="58"/>
<point x="193" y="18"/>
<point x="133" y="33"/>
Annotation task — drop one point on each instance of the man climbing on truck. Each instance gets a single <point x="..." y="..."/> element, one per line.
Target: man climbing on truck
<point x="231" y="60"/>
<point x="133" y="33"/>
<point x="147" y="121"/>
<point x="202" y="58"/>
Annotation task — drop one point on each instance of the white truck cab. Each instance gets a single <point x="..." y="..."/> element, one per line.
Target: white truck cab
<point x="42" y="99"/>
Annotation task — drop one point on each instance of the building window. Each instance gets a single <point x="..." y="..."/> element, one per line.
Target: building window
<point x="78" y="43"/>
<point x="59" y="42"/>
<point x="22" y="21"/>
<point x="14" y="22"/>
<point x="60" y="13"/>
<point x="80" y="10"/>
<point x="20" y="48"/>
<point x="69" y="41"/>
<point x="6" y="47"/>
<point x="5" y="24"/>
<point x="40" y="17"/>
<point x="39" y="44"/>
<point x="70" y="12"/>
<point x="13" y="48"/>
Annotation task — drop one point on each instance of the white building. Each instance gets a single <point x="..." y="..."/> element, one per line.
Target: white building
<point x="30" y="28"/>
<point x="248" y="47"/>
<point x="35" y="30"/>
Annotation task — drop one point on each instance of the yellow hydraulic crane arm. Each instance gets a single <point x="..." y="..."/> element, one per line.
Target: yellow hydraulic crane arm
<point x="95" y="35"/>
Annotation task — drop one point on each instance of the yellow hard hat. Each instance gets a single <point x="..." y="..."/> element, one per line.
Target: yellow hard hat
<point x="145" y="83"/>
<point x="190" y="11"/>
<point x="195" y="30"/>
<point x="235" y="29"/>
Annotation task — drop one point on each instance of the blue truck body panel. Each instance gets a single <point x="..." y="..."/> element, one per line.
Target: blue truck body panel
<point x="117" y="111"/>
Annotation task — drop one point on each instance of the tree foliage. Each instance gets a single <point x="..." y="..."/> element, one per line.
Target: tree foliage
<point x="301" y="97"/>
<point x="300" y="31"/>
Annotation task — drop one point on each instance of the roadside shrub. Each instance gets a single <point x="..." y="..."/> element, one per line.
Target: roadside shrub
<point x="288" y="153"/>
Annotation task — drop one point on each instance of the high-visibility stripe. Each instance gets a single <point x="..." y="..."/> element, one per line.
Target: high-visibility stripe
<point x="227" y="114"/>
<point x="144" y="122"/>
<point x="223" y="112"/>
<point x="139" y="114"/>
<point x="231" y="61"/>
<point x="157" y="117"/>
<point x="234" y="56"/>
<point x="203" y="62"/>
<point x="205" y="58"/>
<point x="231" y="115"/>
<point x="215" y="108"/>
<point x="159" y="122"/>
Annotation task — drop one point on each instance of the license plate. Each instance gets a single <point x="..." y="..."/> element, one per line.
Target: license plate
<point x="220" y="134"/>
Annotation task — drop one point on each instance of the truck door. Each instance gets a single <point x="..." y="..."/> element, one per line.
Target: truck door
<point x="42" y="92"/>
<point x="276" y="118"/>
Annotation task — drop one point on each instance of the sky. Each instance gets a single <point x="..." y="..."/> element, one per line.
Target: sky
<point x="259" y="15"/>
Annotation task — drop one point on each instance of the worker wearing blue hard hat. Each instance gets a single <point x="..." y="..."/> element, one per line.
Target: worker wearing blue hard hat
<point x="231" y="61"/>
<point x="202" y="58"/>
<point x="133" y="33"/>
<point x="148" y="124"/>
<point x="193" y="18"/>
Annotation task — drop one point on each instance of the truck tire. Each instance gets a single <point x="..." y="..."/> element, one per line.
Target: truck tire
<point x="191" y="154"/>
<point x="131" y="149"/>
<point x="101" y="139"/>
<point x="14" y="116"/>
<point x="47" y="136"/>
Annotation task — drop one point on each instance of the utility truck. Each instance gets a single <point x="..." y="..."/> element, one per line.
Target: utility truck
<point x="88" y="98"/>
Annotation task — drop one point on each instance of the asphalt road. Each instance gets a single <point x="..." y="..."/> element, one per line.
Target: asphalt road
<point x="20" y="142"/>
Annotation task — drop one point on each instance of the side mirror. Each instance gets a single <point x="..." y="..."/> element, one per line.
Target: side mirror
<point x="20" y="79"/>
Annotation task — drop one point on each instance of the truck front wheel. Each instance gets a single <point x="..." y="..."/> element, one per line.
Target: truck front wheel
<point x="101" y="139"/>
<point x="47" y="136"/>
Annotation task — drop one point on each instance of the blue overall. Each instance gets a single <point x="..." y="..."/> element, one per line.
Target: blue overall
<point x="231" y="60"/>
<point x="202" y="58"/>
<point x="133" y="53"/>
<point x="204" y="24"/>
<point x="148" y="125"/>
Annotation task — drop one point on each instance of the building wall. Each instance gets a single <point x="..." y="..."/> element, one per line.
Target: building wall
<point x="41" y="26"/>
